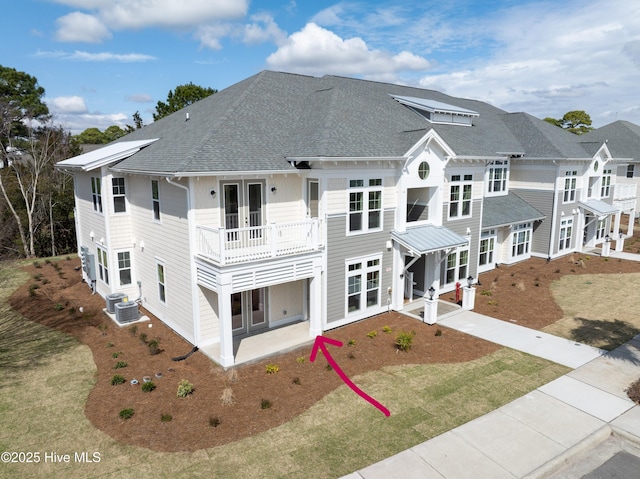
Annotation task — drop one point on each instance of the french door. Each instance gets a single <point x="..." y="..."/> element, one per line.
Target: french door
<point x="249" y="312"/>
<point x="243" y="208"/>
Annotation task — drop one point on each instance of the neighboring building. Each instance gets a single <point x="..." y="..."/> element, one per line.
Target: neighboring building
<point x="287" y="198"/>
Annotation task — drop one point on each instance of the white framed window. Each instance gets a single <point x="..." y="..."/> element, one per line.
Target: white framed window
<point x="601" y="228"/>
<point x="155" y="199"/>
<point x="119" y="197"/>
<point x="521" y="240"/>
<point x="566" y="232"/>
<point x="363" y="284"/>
<point x="456" y="267"/>
<point x="631" y="170"/>
<point x="162" y="288"/>
<point x="570" y="181"/>
<point x="96" y="194"/>
<point x="497" y="176"/>
<point x="103" y="265"/>
<point x="124" y="267"/>
<point x="487" y="246"/>
<point x="460" y="196"/>
<point x="605" y="187"/>
<point x="365" y="205"/>
<point x="313" y="197"/>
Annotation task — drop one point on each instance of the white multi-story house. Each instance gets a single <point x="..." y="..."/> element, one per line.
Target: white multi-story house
<point x="294" y="200"/>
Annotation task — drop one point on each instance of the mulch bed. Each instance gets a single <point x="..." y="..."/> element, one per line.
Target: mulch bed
<point x="201" y="420"/>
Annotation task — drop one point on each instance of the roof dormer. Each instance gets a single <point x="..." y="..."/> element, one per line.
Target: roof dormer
<point x="438" y="112"/>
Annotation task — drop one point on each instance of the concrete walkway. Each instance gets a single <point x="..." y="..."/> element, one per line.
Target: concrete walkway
<point x="550" y="432"/>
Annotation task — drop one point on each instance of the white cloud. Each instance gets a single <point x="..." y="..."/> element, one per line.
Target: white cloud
<point x="80" y="27"/>
<point x="549" y="59"/>
<point x="78" y="123"/>
<point x="317" y="51"/>
<point x="263" y="29"/>
<point x="67" y="105"/>
<point x="108" y="15"/>
<point x="96" y="57"/>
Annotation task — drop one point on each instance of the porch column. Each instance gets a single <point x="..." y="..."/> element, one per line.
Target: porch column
<point x="226" y="328"/>
<point x="468" y="298"/>
<point x="315" y="302"/>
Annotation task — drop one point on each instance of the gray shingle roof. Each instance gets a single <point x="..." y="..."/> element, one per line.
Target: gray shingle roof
<point x="622" y="137"/>
<point x="256" y="124"/>
<point x="506" y="210"/>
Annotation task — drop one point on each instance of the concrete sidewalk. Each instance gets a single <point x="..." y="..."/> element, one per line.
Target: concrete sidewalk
<point x="542" y="433"/>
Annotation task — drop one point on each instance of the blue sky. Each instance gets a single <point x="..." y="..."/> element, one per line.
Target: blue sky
<point x="101" y="60"/>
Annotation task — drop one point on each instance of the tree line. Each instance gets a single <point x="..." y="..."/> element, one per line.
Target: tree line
<point x="36" y="200"/>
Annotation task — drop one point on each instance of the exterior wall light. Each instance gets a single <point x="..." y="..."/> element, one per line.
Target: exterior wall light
<point x="432" y="291"/>
<point x="470" y="281"/>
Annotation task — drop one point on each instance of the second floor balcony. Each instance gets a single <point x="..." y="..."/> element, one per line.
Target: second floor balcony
<point x="625" y="191"/>
<point x="226" y="246"/>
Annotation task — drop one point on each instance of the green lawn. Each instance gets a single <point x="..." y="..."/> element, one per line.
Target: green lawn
<point x="44" y="385"/>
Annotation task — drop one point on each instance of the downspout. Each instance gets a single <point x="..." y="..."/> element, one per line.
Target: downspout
<point x="552" y="228"/>
<point x="192" y="263"/>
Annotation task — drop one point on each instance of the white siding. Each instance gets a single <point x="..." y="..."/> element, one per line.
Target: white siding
<point x="286" y="297"/>
<point x="209" y="319"/>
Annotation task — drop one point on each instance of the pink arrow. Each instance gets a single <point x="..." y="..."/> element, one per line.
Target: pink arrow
<point x="320" y="343"/>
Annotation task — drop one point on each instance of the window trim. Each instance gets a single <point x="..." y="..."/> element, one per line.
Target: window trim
<point x="490" y="237"/>
<point x="564" y="241"/>
<point x="366" y="189"/>
<point x="462" y="182"/>
<point x="103" y="264"/>
<point x="570" y="186"/>
<point x="631" y="170"/>
<point x="516" y="230"/>
<point x="362" y="268"/>
<point x="96" y="193"/>
<point x="122" y="194"/>
<point x="155" y="200"/>
<point x="502" y="180"/>
<point x="455" y="267"/>
<point x="161" y="282"/>
<point x="605" y="183"/>
<point x="121" y="269"/>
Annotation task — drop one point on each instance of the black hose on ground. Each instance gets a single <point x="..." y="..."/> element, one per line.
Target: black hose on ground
<point x="180" y="358"/>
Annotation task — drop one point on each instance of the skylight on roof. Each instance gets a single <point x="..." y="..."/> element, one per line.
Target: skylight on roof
<point x="438" y="112"/>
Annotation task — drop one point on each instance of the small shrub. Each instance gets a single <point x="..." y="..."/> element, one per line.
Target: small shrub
<point x="301" y="359"/>
<point x="143" y="337"/>
<point x="68" y="258"/>
<point x="117" y="379"/>
<point x="115" y="355"/>
<point x="272" y="368"/>
<point x="47" y="261"/>
<point x="214" y="421"/>
<point x="328" y="367"/>
<point x="166" y="418"/>
<point x="72" y="310"/>
<point x="227" y="396"/>
<point x="148" y="387"/>
<point x="351" y="342"/>
<point x="126" y="413"/>
<point x="558" y="270"/>
<point x="296" y="381"/>
<point x="58" y="307"/>
<point x="36" y="264"/>
<point x="133" y="330"/>
<point x="45" y="281"/>
<point x="492" y="303"/>
<point x="351" y="356"/>
<point x="372" y="334"/>
<point x="32" y="289"/>
<point x="37" y="277"/>
<point x="153" y="347"/>
<point x="184" y="388"/>
<point x="404" y="340"/>
<point x="438" y="332"/>
<point x="386" y="329"/>
<point x="486" y="292"/>
<point x="265" y="404"/>
<point x="120" y="364"/>
<point x="110" y="345"/>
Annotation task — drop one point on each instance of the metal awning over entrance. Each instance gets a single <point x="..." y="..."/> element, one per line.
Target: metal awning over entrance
<point x="428" y="239"/>
<point x="599" y="208"/>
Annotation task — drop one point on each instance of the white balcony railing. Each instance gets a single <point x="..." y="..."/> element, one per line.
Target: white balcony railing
<point x="239" y="245"/>
<point x="625" y="191"/>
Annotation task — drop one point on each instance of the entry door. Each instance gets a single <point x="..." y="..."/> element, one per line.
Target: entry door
<point x="249" y="312"/>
